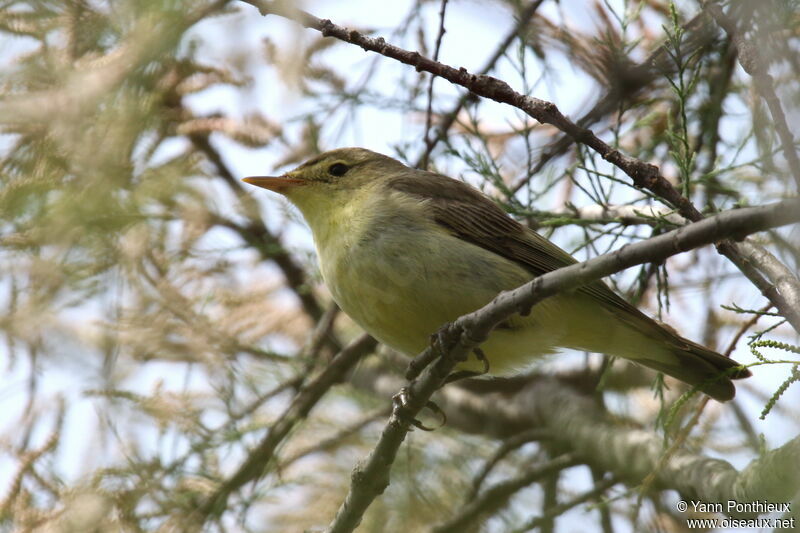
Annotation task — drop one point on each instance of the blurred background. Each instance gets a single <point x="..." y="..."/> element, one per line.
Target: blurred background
<point x="159" y="319"/>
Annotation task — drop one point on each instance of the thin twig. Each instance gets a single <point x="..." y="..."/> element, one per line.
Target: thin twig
<point x="258" y="235"/>
<point x="507" y="447"/>
<point x="640" y="76"/>
<point x="499" y="495"/>
<point x="446" y="121"/>
<point x="331" y="442"/>
<point x="429" y="111"/>
<point x="677" y="444"/>
<point x="738" y="413"/>
<point x="561" y="508"/>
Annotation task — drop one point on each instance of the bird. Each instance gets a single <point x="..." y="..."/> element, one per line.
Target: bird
<point x="405" y="251"/>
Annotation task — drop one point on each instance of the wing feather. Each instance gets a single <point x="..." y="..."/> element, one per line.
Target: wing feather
<point x="471" y="216"/>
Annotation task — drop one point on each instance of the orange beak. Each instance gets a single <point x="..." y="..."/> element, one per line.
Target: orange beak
<point x="279" y="184"/>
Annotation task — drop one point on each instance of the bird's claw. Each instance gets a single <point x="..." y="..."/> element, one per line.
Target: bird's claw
<point x="400" y="402"/>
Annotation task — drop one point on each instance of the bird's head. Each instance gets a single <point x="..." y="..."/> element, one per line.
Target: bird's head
<point x="344" y="171"/>
<point x="330" y="189"/>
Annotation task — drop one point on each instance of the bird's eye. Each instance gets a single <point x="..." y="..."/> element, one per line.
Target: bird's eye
<point x="338" y="169"/>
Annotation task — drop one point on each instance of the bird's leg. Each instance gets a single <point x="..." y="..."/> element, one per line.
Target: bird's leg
<point x="439" y="345"/>
<point x="440" y="342"/>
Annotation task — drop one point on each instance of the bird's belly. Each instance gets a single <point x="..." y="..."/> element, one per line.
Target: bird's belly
<point x="403" y="294"/>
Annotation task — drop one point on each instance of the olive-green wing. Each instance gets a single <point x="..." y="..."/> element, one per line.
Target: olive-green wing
<point x="471" y="216"/>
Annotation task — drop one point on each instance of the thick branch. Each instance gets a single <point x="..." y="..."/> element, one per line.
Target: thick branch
<point x="779" y="274"/>
<point x="748" y="264"/>
<point x="579" y="426"/>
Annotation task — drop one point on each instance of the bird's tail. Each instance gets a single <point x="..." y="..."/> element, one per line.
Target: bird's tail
<point x="698" y="366"/>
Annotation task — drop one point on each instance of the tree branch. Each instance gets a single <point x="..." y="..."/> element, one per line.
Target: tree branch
<point x="778" y="273"/>
<point x="580" y="426"/>
<point x="605" y="214"/>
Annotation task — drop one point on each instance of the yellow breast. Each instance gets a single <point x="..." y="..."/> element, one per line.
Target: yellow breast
<point x="401" y="276"/>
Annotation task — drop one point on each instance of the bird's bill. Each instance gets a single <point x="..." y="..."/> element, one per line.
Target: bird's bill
<point x="279" y="184"/>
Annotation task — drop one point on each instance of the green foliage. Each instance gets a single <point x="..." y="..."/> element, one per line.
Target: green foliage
<point x="793" y="377"/>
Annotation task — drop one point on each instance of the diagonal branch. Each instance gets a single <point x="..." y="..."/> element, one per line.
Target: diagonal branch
<point x="459" y="339"/>
<point x="256" y="234"/>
